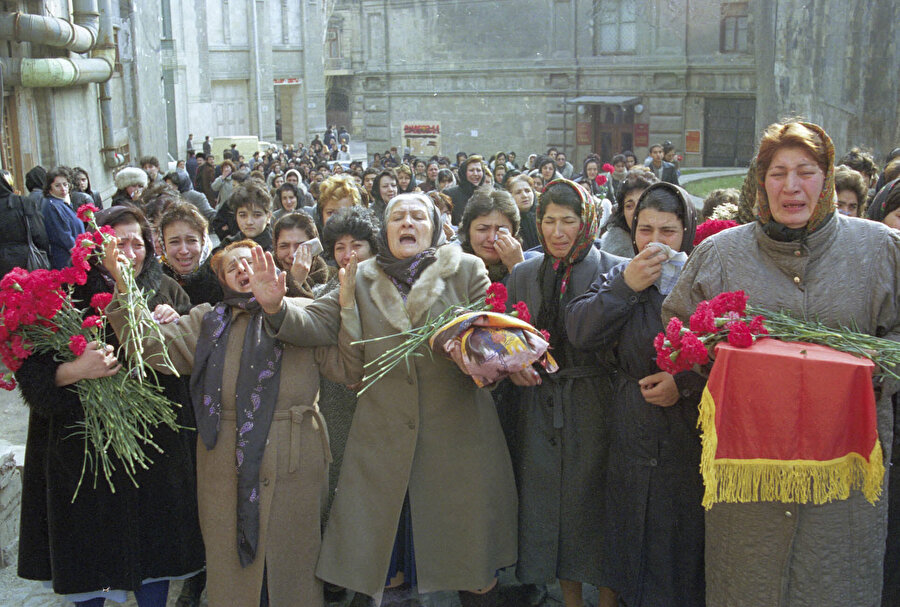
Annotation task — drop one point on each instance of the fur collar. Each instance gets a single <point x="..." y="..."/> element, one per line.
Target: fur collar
<point x="424" y="293"/>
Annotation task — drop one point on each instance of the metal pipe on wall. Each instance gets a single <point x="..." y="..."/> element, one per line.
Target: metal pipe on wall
<point x="105" y="50"/>
<point x="79" y="36"/>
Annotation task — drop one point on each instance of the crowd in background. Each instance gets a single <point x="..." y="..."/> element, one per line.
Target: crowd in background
<point x="587" y="476"/>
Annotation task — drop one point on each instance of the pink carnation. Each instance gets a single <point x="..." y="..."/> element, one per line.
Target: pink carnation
<point x="600" y="179"/>
<point x="693" y="352"/>
<point x="757" y="327"/>
<point x="730" y="301"/>
<point x="101" y="300"/>
<point x="521" y="311"/>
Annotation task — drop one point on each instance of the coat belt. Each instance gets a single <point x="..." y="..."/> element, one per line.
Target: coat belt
<point x="562" y="382"/>
<point x="295" y="415"/>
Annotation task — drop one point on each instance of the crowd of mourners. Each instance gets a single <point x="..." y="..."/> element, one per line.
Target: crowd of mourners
<point x="283" y="487"/>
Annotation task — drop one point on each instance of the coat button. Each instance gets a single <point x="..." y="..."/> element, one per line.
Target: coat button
<point x="265" y="482"/>
<point x="633" y="299"/>
<point x="411" y="425"/>
<point x="788" y="513"/>
<point x="553" y="442"/>
<point x="798" y="253"/>
<point x="796" y="280"/>
<point x="654" y="462"/>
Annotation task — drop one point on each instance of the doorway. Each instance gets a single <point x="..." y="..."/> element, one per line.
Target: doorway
<point x="613" y="127"/>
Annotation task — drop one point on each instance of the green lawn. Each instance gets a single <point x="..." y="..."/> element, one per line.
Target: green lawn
<point x="704" y="186"/>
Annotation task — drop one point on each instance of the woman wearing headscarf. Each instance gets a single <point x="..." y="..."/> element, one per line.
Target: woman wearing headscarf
<point x="797" y="257"/>
<point x="562" y="432"/>
<point x="653" y="517"/>
<point x="426" y="494"/>
<point x="521" y="187"/>
<point x="262" y="451"/>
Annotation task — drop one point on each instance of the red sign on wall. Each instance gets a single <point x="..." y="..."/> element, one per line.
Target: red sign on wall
<point x="692" y="142"/>
<point x="641" y="134"/>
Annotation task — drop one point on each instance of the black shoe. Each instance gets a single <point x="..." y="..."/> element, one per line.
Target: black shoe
<point x="488" y="599"/>
<point x="334" y="593"/>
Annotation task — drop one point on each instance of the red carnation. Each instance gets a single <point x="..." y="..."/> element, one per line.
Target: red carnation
<point x="521" y="311"/>
<point x="608" y="168"/>
<point x="693" y="352"/>
<point x="86" y="212"/>
<point x="731" y="301"/>
<point x="101" y="300"/>
<point x="673" y="332"/>
<point x="710" y="227"/>
<point x="92" y="321"/>
<point x="740" y="336"/>
<point x="757" y="327"/>
<point x="546" y="335"/>
<point x="8" y="382"/>
<point x="600" y="179"/>
<point x="496" y="297"/>
<point x="77" y="344"/>
<point x="703" y="320"/>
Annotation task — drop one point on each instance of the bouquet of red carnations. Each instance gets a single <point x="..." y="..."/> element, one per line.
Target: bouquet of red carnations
<point x="727" y="317"/>
<point x="488" y="343"/>
<point x="38" y="315"/>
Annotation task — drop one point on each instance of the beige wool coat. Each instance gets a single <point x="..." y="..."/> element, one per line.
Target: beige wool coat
<point x="801" y="555"/>
<point x="427" y="430"/>
<point x="294" y="468"/>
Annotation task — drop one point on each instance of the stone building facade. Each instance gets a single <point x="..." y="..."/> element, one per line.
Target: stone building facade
<point x="608" y="75"/>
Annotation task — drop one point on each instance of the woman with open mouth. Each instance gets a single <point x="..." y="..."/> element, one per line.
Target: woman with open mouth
<point x="262" y="453"/>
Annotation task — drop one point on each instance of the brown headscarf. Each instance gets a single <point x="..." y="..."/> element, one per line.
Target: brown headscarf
<point x="825" y="206"/>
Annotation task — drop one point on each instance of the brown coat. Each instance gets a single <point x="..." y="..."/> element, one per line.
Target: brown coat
<point x="428" y="431"/>
<point x="792" y="555"/>
<point x="294" y="469"/>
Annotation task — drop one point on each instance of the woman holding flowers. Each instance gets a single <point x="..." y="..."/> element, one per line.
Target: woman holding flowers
<point x="653" y="518"/>
<point x="262" y="453"/>
<point x="105" y="543"/>
<point x="794" y="258"/>
<point x="426" y="495"/>
<point x="562" y="430"/>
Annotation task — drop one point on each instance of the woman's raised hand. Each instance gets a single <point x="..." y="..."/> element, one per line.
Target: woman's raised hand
<point x="644" y="269"/>
<point x="509" y="249"/>
<point x="302" y="263"/>
<point x="347" y="277"/>
<point x="268" y="285"/>
<point x="113" y="260"/>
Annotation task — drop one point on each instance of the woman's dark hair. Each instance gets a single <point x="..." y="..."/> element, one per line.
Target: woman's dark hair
<point x="251" y="194"/>
<point x="562" y="194"/>
<point x="358" y="222"/>
<point x="75" y="173"/>
<point x="860" y="161"/>
<point x="186" y="213"/>
<point x="53" y="174"/>
<point x="157" y="199"/>
<point x="892" y="202"/>
<point x="618" y="158"/>
<point x="542" y="160"/>
<point x="445" y="175"/>
<point x="717" y="198"/>
<point x="287" y="186"/>
<point x="662" y="200"/>
<point x="118" y="215"/>
<point x="484" y="203"/>
<point x="227" y="163"/>
<point x="634" y="180"/>
<point x="849" y="179"/>
<point x="298" y="220"/>
<point x="376" y="185"/>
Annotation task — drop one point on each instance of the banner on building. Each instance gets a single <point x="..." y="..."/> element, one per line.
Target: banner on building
<point x="422" y="138"/>
<point x="641" y="134"/>
<point x="583" y="135"/>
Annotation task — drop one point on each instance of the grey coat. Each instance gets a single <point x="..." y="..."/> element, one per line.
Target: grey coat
<point x="428" y="432"/>
<point x="617" y="241"/>
<point x="775" y="554"/>
<point x="562" y="442"/>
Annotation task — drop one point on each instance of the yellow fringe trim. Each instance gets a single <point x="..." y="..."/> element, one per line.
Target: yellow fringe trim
<point x="788" y="481"/>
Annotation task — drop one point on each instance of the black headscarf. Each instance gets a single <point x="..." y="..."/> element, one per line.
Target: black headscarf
<point x="404" y="272"/>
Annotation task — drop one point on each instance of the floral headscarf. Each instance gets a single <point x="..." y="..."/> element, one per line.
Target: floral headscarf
<point x="590" y="227"/>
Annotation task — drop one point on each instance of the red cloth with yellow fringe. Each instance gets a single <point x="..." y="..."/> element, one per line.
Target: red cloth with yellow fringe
<point x="789" y="422"/>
